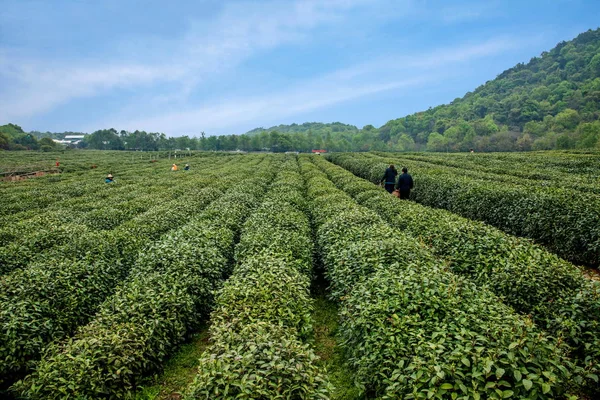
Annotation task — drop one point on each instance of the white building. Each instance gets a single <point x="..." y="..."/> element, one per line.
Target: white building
<point x="70" y="139"/>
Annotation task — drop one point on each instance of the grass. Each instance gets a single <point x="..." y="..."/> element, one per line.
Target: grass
<point x="179" y="371"/>
<point x="325" y="319"/>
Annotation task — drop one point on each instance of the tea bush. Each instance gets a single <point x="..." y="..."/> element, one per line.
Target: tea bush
<point x="413" y="329"/>
<point x="567" y="222"/>
<point x="264" y="310"/>
<point x="525" y="276"/>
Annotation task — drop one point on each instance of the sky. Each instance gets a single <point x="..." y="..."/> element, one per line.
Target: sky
<point x="228" y="66"/>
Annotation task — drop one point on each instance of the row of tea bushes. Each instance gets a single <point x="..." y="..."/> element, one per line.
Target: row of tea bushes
<point x="53" y="296"/>
<point x="49" y="191"/>
<point x="544" y="165"/>
<point x="525" y="276"/>
<point x="67" y="190"/>
<point x="87" y="194"/>
<point x="104" y="207"/>
<point x="412" y="328"/>
<point x="566" y="224"/>
<point x="508" y="169"/>
<point x="50" y="298"/>
<point x="264" y="310"/>
<point x="167" y="294"/>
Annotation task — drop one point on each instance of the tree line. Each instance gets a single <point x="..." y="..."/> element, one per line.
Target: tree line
<point x="552" y="102"/>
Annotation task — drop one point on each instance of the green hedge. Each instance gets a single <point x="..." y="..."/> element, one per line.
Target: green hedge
<point x="525" y="276"/>
<point x="49" y="299"/>
<point x="565" y="221"/>
<point x="569" y="171"/>
<point x="169" y="291"/>
<point x="264" y="310"/>
<point x="412" y="328"/>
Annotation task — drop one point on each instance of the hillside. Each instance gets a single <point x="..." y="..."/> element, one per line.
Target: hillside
<point x="552" y="102"/>
<point x="315" y="127"/>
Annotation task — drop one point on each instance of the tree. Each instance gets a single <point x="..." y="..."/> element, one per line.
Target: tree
<point x="106" y="139"/>
<point x="405" y="143"/>
<point x="46" y="141"/>
<point x="437" y="142"/>
<point x="28" y="141"/>
<point x="594" y="65"/>
<point x="567" y="119"/>
<point x="589" y="134"/>
<point x="4" y="141"/>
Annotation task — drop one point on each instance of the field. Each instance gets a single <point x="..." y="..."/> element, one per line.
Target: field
<point x="298" y="277"/>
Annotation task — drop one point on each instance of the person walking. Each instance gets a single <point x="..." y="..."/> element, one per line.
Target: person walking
<point x="389" y="177"/>
<point x="404" y="184"/>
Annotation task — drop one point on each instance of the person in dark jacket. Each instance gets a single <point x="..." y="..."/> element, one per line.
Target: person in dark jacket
<point x="389" y="177"/>
<point x="404" y="184"/>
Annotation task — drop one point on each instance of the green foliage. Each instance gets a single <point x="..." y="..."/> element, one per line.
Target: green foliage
<point x="260" y="360"/>
<point x="264" y="310"/>
<point x="441" y="336"/>
<point x="12" y="130"/>
<point x="424" y="330"/>
<point x="168" y="292"/>
<point x="565" y="221"/>
<point x="63" y="287"/>
<point x="525" y="276"/>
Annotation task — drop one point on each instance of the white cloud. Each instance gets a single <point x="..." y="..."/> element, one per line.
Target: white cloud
<point x="240" y="31"/>
<point x="333" y="88"/>
<point x="236" y="111"/>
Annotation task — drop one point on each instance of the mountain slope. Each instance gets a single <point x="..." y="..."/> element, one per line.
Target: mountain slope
<point x="551" y="102"/>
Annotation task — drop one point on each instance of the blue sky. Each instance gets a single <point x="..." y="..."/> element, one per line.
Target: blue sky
<point x="229" y="66"/>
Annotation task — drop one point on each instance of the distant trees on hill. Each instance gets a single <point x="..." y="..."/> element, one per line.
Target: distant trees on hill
<point x="552" y="102"/>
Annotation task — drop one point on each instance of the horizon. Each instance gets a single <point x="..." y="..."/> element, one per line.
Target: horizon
<point x="230" y="67"/>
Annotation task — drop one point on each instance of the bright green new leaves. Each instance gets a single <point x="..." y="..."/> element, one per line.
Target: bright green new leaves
<point x="169" y="292"/>
<point x="264" y="310"/>
<point x="267" y="362"/>
<point x="412" y="328"/>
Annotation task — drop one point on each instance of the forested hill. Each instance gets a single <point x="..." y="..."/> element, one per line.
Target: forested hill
<point x="306" y="127"/>
<point x="551" y="102"/>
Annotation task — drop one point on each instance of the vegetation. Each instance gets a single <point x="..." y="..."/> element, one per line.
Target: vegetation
<point x="552" y="102"/>
<point x="164" y="297"/>
<point x="102" y="284"/>
<point x="527" y="277"/>
<point x="264" y="309"/>
<point x="426" y="331"/>
<point x="566" y="221"/>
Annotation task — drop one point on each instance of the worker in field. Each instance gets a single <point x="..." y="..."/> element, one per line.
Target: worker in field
<point x="389" y="177"/>
<point x="109" y="179"/>
<point x="404" y="184"/>
<point x="187" y="167"/>
<point x="174" y="167"/>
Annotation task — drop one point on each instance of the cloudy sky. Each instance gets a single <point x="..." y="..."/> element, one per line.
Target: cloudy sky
<point x="182" y="67"/>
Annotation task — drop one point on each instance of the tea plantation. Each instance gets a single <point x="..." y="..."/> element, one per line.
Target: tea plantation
<point x="212" y="282"/>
